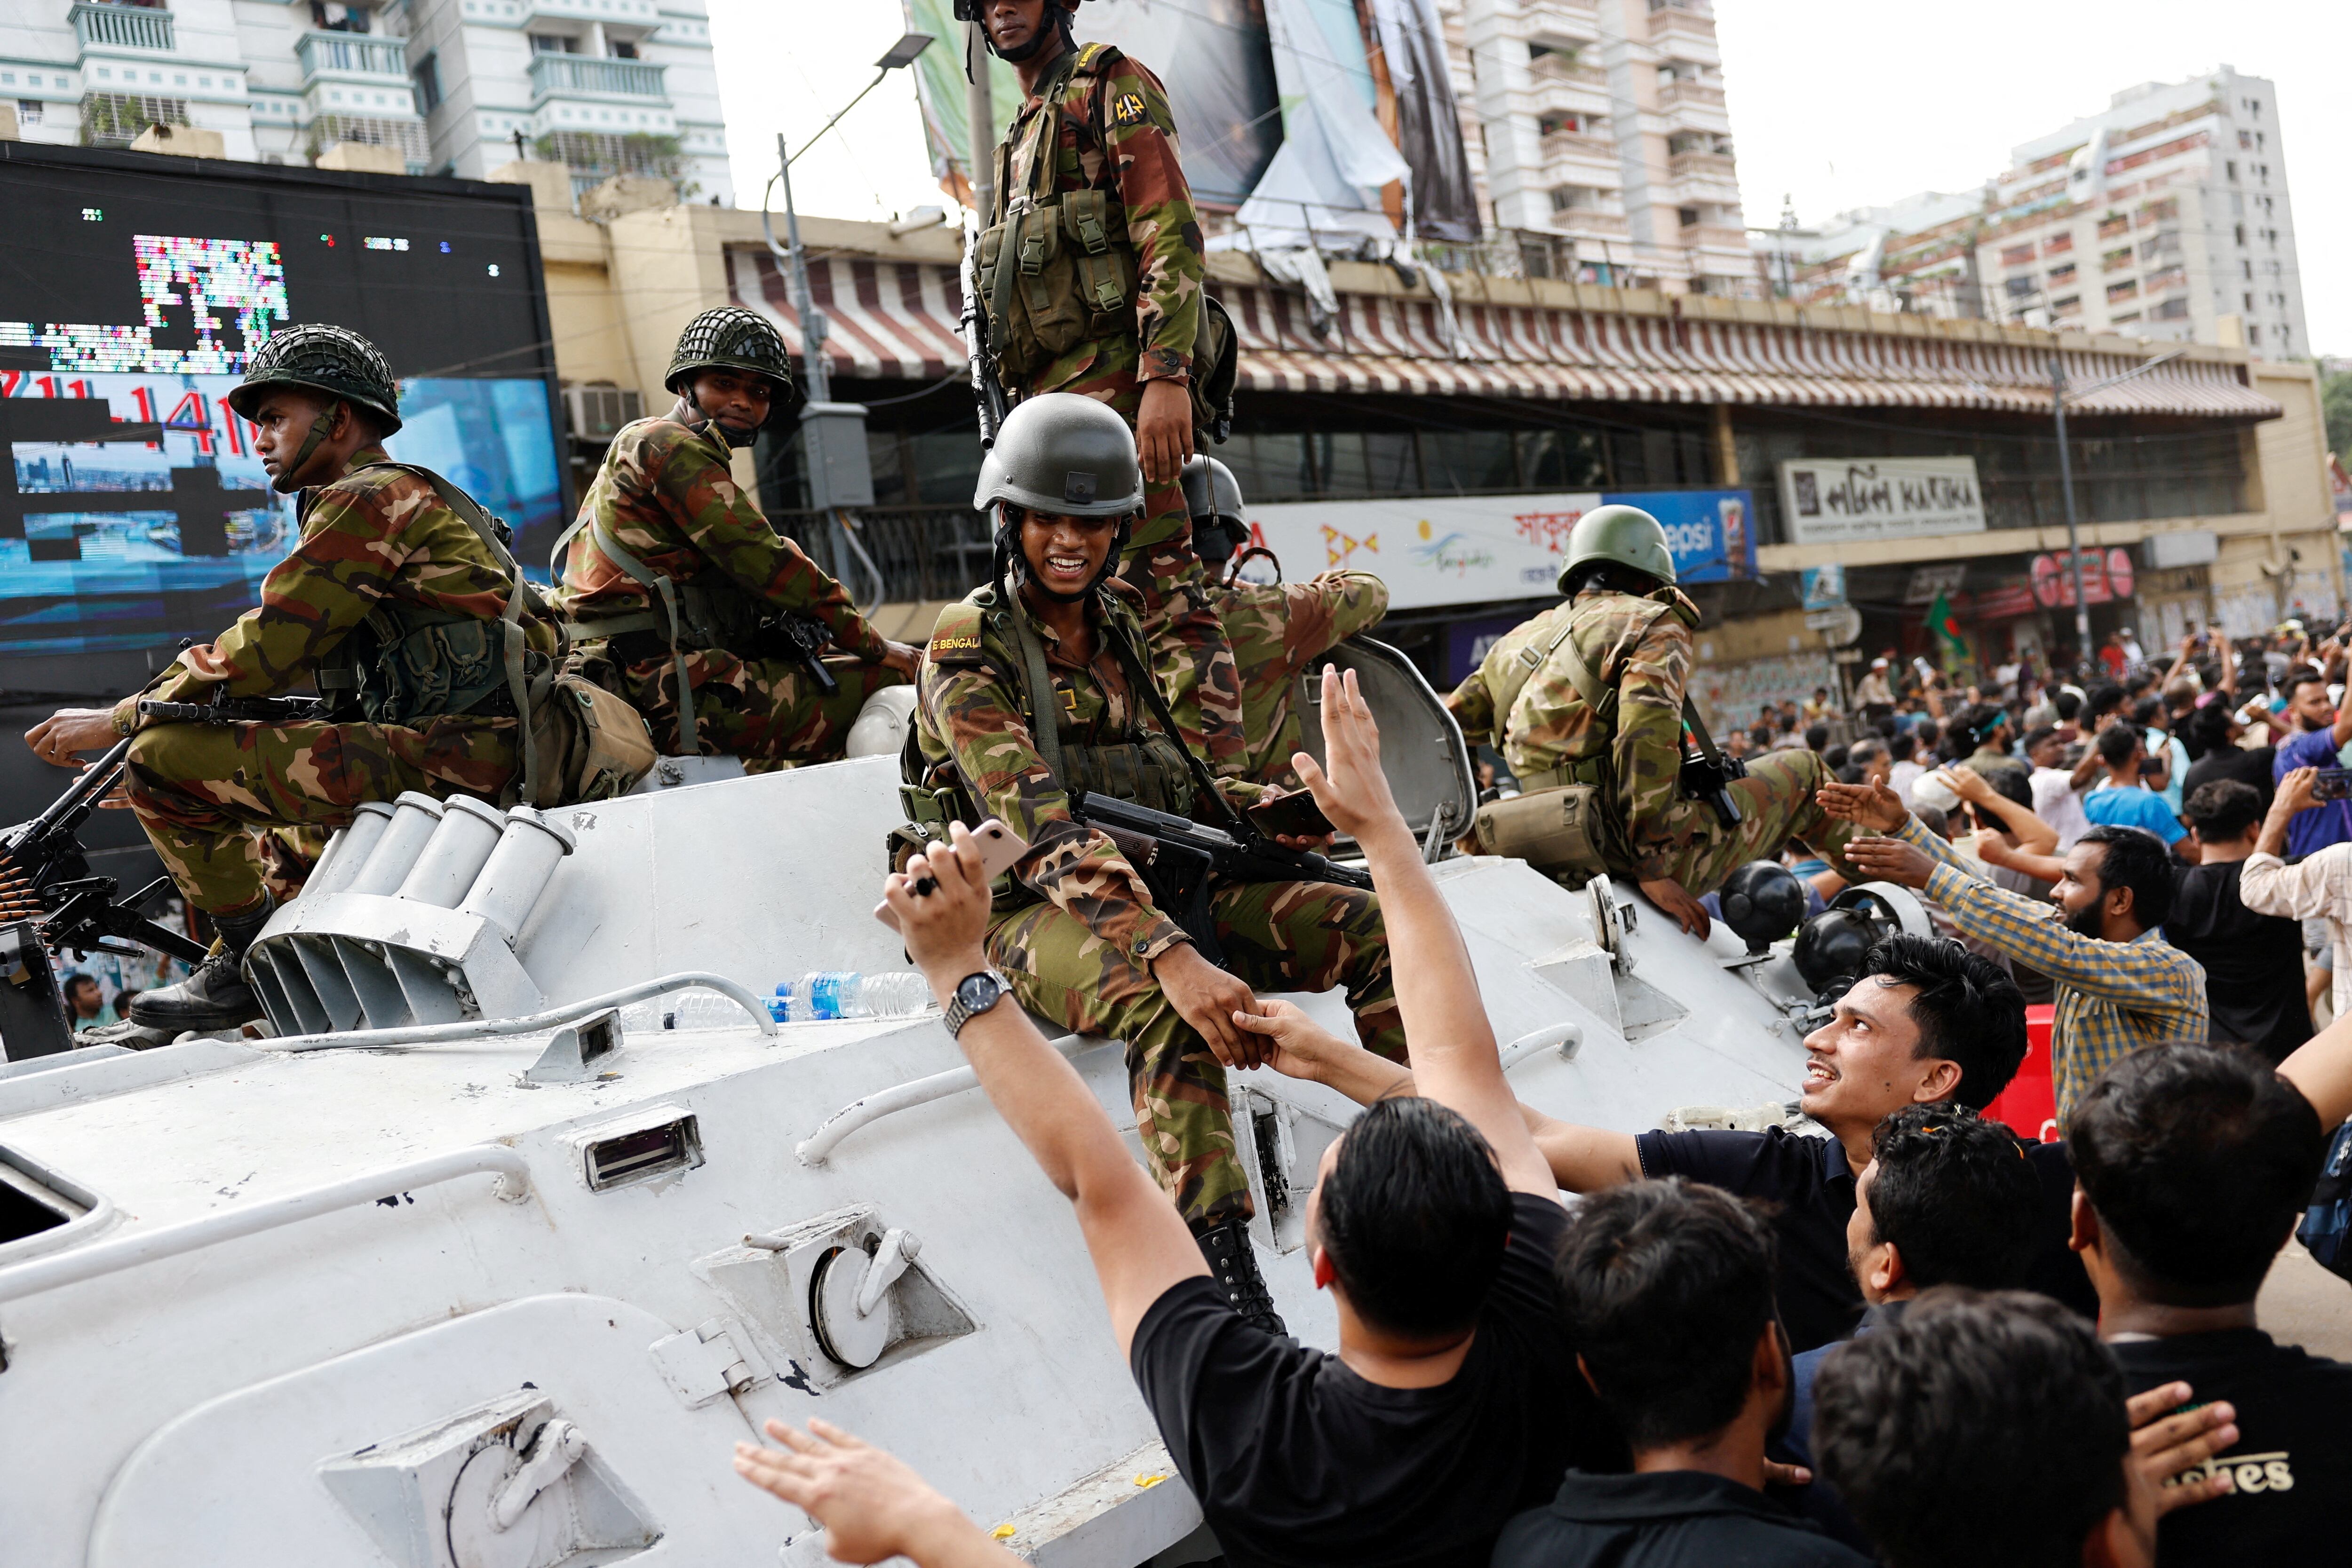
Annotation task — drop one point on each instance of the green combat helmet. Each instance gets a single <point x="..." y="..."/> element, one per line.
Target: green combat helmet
<point x="1627" y="536"/>
<point x="732" y="338"/>
<point x="319" y="358"/>
<point x="1062" y="453"/>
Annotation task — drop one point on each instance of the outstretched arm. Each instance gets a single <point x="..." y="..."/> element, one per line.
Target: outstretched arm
<point x="1138" y="1242"/>
<point x="872" y="1503"/>
<point x="1455" y="1061"/>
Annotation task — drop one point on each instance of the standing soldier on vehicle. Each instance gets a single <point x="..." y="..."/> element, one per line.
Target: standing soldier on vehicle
<point x="1588" y="704"/>
<point x="397" y="602"/>
<point x="1034" y="689"/>
<point x="1276" y="629"/>
<point x="674" y="579"/>
<point x="1091" y="271"/>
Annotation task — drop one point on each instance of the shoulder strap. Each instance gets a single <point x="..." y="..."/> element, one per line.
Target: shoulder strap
<point x="516" y="640"/>
<point x="1044" y="725"/>
<point x="1588" y="686"/>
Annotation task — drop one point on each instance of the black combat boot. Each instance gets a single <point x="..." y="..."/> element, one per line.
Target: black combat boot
<point x="216" y="997"/>
<point x="1232" y="1263"/>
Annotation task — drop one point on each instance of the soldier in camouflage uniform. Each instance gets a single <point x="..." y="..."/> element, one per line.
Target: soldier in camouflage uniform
<point x="1276" y="629"/>
<point x="393" y="600"/>
<point x="1631" y="628"/>
<point x="674" y="579"/>
<point x="1111" y="309"/>
<point x="1079" y="934"/>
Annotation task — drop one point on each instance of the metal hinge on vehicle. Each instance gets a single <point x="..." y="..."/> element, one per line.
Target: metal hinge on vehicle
<point x="708" y="1361"/>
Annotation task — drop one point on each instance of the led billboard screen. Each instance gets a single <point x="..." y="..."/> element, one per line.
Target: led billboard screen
<point x="132" y="510"/>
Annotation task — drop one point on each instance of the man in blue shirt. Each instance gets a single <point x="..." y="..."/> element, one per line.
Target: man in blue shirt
<point x="2321" y="733"/>
<point x="2122" y="801"/>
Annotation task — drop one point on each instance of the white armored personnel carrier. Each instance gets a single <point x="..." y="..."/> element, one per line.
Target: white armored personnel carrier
<point x="471" y="1266"/>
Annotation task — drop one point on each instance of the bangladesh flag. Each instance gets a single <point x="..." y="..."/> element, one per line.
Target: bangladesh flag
<point x="1951" y="644"/>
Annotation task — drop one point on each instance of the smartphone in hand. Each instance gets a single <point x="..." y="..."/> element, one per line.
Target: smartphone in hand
<point x="1291" y="816"/>
<point x="1001" y="849"/>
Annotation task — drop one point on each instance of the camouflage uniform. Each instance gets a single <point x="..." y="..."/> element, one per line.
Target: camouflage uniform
<point x="1641" y="646"/>
<point x="205" y="793"/>
<point x="667" y="495"/>
<point x="1076" y="930"/>
<point x="1276" y="631"/>
<point x="1115" y="133"/>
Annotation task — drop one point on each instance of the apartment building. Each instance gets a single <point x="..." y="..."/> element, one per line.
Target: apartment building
<point x="1599" y="130"/>
<point x="2159" y="217"/>
<point x="442" y="86"/>
<point x="2155" y="218"/>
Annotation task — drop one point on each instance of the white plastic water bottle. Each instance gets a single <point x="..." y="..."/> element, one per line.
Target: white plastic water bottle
<point x="845" y="994"/>
<point x="683" y="1010"/>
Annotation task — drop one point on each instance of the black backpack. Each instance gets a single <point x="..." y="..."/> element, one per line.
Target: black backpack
<point x="2327" y="1228"/>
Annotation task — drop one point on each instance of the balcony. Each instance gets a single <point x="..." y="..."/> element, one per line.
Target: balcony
<point x="554" y="76"/>
<point x="1556" y="67"/>
<point x="1714" y="235"/>
<point x="1705" y="166"/>
<point x="121" y="28"/>
<point x="1575" y="21"/>
<point x="1690" y="94"/>
<point x="1669" y="17"/>
<point x="1591" y="221"/>
<point x="353" y="56"/>
<point x="1583" y="152"/>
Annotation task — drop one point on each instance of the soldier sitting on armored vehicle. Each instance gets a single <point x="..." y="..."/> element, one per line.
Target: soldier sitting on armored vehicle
<point x="1589" y="705"/>
<point x="1276" y="629"/>
<point x="1454" y="1399"/>
<point x="1928" y="1022"/>
<point x="392" y="604"/>
<point x="674" y="579"/>
<point x="1035" y="691"/>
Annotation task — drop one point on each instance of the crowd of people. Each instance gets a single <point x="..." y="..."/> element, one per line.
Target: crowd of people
<point x="1920" y="1340"/>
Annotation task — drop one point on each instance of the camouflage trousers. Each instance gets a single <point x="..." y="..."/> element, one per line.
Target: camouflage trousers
<point x="1776" y="804"/>
<point x="1278" y="936"/>
<point x="762" y="710"/>
<point x="1276" y="631"/>
<point x="209" y="794"/>
<point x="1189" y="651"/>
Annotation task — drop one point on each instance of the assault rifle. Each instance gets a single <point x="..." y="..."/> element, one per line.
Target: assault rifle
<point x="986" y="391"/>
<point x="235" y="710"/>
<point x="805" y="638"/>
<point x="1176" y="857"/>
<point x="45" y="877"/>
<point x="1708" y="779"/>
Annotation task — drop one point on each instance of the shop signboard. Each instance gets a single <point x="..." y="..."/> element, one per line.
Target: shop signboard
<point x="1846" y="500"/>
<point x="1484" y="549"/>
<point x="1825" y="587"/>
<point x="2108" y="575"/>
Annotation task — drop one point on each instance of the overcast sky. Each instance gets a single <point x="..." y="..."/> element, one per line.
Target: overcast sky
<point x="1835" y="104"/>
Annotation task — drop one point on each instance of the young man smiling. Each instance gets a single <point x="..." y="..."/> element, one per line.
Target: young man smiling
<point x="1928" y="1022"/>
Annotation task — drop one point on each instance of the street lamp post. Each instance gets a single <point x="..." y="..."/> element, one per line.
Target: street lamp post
<point x="2059" y="394"/>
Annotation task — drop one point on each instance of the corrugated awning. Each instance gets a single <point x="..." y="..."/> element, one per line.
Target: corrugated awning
<point x="896" y="321"/>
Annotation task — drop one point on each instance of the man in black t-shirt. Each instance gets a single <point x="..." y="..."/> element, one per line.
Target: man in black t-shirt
<point x="2253" y="963"/>
<point x="2194" y="1164"/>
<point x="2213" y="732"/>
<point x="1453" y="1400"/>
<point x="1929" y="1021"/>
<point x="1667" y="1288"/>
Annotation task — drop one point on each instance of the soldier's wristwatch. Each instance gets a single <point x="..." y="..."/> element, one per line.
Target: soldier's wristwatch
<point x="973" y="995"/>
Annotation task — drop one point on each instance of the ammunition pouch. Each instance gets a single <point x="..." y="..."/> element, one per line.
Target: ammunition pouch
<point x="395" y="671"/>
<point x="1059" y="274"/>
<point x="1564" y="832"/>
<point x="592" y="745"/>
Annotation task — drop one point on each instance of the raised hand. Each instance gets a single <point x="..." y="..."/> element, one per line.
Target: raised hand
<point x="872" y="1504"/>
<point x="1875" y="806"/>
<point x="1352" y="789"/>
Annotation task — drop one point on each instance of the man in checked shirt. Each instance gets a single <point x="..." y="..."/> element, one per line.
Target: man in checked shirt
<point x="2121" y="985"/>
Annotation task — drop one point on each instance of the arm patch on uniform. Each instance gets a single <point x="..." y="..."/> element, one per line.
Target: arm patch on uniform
<point x="955" y="640"/>
<point x="1128" y="110"/>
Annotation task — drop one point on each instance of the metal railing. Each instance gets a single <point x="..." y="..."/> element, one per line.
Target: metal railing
<point x="923" y="553"/>
<point x="552" y="74"/>
<point x="352" y="54"/>
<point x="122" y="26"/>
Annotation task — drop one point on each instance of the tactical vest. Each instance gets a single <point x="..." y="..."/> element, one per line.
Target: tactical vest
<point x="1149" y="769"/>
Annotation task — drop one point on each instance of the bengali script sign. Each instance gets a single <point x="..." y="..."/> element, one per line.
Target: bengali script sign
<point x="1842" y="500"/>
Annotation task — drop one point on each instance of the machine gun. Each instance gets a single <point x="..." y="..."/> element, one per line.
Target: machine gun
<point x="45" y="877"/>
<point x="1176" y="857"/>
<point x="987" y="391"/>
<point x="803" y="638"/>
<point x="237" y="710"/>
